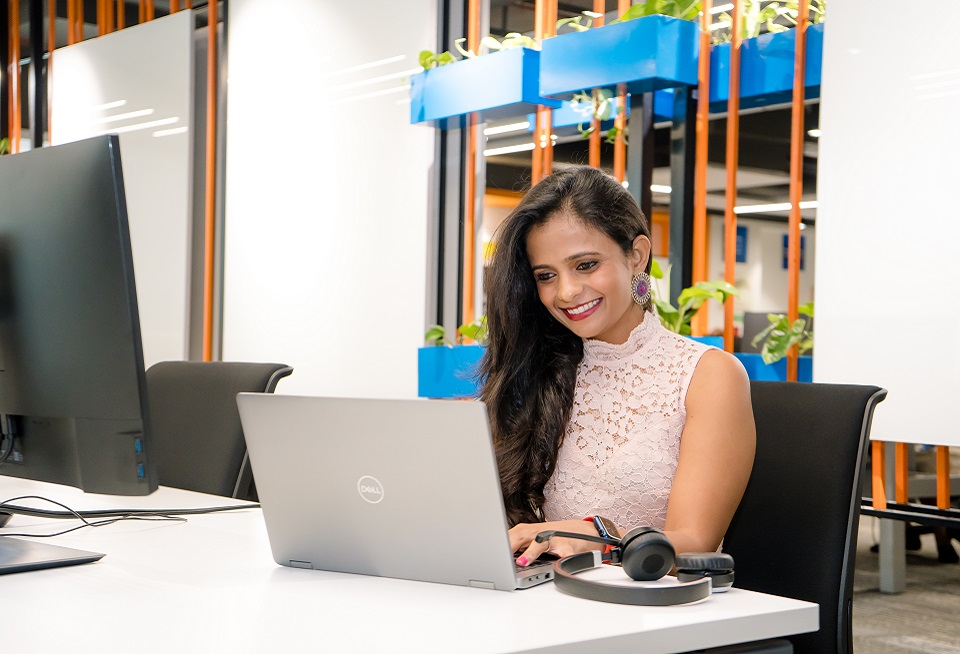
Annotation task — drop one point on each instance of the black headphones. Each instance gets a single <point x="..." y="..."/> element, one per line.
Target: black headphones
<point x="645" y="554"/>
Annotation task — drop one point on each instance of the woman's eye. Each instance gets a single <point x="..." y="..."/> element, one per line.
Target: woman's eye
<point x="543" y="276"/>
<point x="586" y="265"/>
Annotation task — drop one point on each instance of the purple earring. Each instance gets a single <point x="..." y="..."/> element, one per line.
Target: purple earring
<point x="640" y="289"/>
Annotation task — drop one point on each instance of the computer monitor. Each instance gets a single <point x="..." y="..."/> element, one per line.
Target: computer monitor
<point x="73" y="403"/>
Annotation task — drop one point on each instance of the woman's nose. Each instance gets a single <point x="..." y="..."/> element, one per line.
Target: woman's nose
<point x="568" y="288"/>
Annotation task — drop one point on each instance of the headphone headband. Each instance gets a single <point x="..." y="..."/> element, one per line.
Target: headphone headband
<point x="567" y="582"/>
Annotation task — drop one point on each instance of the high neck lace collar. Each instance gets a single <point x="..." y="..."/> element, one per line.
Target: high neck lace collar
<point x="644" y="333"/>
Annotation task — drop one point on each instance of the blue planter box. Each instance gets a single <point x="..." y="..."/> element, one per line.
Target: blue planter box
<point x="566" y="118"/>
<point x="448" y="372"/>
<point x="713" y="341"/>
<point x="766" y="69"/>
<point x="647" y="54"/>
<point x="757" y="370"/>
<point x="498" y="85"/>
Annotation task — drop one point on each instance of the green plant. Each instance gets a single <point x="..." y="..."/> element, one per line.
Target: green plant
<point x="780" y="335"/>
<point x="475" y="331"/>
<point x="683" y="9"/>
<point x="428" y="59"/>
<point x="677" y="319"/>
<point x="597" y="104"/>
<point x="4" y="146"/>
<point x="759" y="13"/>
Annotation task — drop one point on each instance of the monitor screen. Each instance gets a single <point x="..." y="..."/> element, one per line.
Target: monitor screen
<point x="73" y="406"/>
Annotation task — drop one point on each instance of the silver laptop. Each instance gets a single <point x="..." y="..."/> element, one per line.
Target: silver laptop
<point x="392" y="488"/>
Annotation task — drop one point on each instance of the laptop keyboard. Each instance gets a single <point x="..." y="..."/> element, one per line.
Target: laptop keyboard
<point x="536" y="565"/>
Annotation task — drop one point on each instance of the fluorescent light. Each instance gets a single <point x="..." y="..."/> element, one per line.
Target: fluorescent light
<point x="372" y="94"/>
<point x="505" y="129"/>
<point x="815" y="133"/>
<point x="375" y="80"/>
<point x="656" y="188"/>
<point x="170" y="132"/>
<point x="523" y="147"/>
<point x="138" y="126"/>
<point x="719" y="26"/>
<point x="110" y="105"/>
<point x="770" y="208"/>
<point x="130" y="114"/>
<point x="721" y="8"/>
<point x="372" y="64"/>
<point x="592" y="14"/>
<point x="802" y="227"/>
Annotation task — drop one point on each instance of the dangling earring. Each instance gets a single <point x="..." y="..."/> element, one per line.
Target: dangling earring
<point x="640" y="289"/>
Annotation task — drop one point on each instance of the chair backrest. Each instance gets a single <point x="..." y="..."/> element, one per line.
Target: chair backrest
<point x="795" y="531"/>
<point x="196" y="434"/>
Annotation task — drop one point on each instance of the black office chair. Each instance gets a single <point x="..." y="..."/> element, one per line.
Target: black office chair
<point x="196" y="433"/>
<point x="795" y="532"/>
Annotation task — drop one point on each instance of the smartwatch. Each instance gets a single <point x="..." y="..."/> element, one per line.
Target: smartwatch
<point x="605" y="528"/>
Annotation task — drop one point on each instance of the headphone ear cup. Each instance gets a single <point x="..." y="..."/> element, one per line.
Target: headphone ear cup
<point x="646" y="554"/>
<point x="717" y="566"/>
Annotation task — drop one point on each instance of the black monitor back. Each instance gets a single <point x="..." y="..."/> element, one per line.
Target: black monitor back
<point x="71" y="358"/>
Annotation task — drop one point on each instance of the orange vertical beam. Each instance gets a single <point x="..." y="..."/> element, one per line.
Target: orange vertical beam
<point x="549" y="30"/>
<point x="149" y="10"/>
<point x="943" y="477"/>
<point x="71" y="22"/>
<point x="174" y="6"/>
<point x="796" y="179"/>
<point x="879" y="489"/>
<point x="109" y="15"/>
<point x="699" y="267"/>
<point x="14" y="76"/>
<point x="733" y="156"/>
<point x="620" y="122"/>
<point x="539" y="127"/>
<point x="102" y="17"/>
<point x="470" y="183"/>
<point x="211" y="182"/>
<point x="188" y="4"/>
<point x="900" y="475"/>
<point x="121" y="15"/>
<point x="80" y="20"/>
<point x="142" y="14"/>
<point x="599" y="7"/>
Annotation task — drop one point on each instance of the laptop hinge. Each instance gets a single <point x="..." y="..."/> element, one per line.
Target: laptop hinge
<point x="476" y="583"/>
<point x="301" y="564"/>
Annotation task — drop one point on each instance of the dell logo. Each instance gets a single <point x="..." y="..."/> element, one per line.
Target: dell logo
<point x="370" y="489"/>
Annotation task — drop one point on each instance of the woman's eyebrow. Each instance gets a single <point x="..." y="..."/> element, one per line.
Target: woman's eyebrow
<point x="572" y="257"/>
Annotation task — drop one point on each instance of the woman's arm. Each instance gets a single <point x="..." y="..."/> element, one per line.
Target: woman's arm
<point x="716" y="454"/>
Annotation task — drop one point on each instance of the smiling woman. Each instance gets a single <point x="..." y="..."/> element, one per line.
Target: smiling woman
<point x="596" y="409"/>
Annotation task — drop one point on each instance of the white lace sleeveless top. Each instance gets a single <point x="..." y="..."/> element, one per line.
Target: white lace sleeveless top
<point x="622" y="443"/>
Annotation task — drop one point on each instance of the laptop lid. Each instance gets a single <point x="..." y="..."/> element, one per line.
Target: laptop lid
<point x="380" y="487"/>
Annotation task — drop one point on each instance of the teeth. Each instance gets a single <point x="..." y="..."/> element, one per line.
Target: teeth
<point x="583" y="307"/>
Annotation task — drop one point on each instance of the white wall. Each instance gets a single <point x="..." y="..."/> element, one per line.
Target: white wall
<point x="889" y="222"/>
<point x="138" y="82"/>
<point x="761" y="279"/>
<point x="327" y="193"/>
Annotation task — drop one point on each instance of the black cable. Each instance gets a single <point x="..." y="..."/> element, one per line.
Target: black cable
<point x="98" y="523"/>
<point x="69" y="513"/>
<point x="139" y="515"/>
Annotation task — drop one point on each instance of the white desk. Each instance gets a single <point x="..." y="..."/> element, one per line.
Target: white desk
<point x="210" y="585"/>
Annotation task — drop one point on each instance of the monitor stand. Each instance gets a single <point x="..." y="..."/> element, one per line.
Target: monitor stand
<point x="18" y="555"/>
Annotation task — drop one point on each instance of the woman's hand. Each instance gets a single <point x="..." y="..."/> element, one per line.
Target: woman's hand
<point x="523" y="537"/>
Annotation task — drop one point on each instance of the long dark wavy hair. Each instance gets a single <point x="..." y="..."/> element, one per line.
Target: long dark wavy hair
<point x="529" y="368"/>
